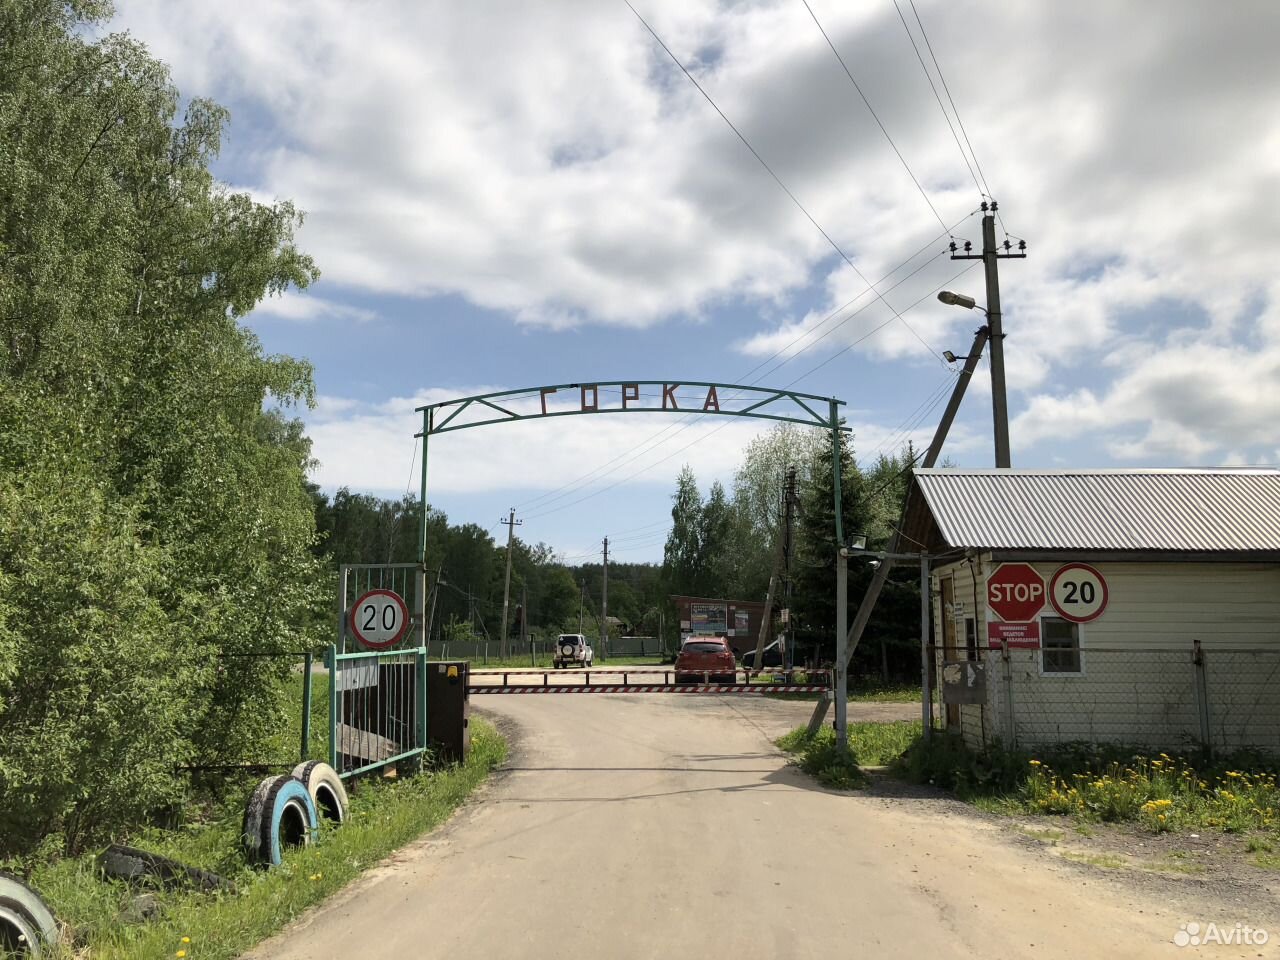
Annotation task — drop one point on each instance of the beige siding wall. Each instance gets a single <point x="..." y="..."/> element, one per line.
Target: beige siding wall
<point x="1157" y="604"/>
<point x="1138" y="684"/>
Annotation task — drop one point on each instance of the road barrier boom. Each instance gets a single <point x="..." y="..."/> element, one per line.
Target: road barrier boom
<point x="761" y="689"/>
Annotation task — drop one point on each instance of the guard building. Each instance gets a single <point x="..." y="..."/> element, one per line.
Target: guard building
<point x="1124" y="606"/>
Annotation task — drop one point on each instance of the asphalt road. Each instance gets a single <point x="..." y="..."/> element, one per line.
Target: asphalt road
<point x="668" y="826"/>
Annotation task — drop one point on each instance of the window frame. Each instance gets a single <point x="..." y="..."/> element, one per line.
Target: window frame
<point x="1079" y="633"/>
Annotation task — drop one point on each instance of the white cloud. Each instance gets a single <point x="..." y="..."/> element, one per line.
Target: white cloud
<point x="546" y="160"/>
<point x="303" y="307"/>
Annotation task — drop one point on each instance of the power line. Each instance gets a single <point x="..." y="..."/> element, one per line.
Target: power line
<point x="685" y="422"/>
<point x="785" y="189"/>
<point x="696" y="440"/>
<point x="874" y="115"/>
<point x="954" y="109"/>
<point x="877" y="329"/>
<point x="937" y="96"/>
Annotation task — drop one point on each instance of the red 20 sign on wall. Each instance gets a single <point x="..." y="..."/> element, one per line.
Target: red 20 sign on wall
<point x="1078" y="592"/>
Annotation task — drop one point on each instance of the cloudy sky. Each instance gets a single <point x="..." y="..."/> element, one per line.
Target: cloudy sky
<point x="504" y="195"/>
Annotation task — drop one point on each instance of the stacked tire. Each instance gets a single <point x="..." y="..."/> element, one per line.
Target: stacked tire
<point x="280" y="814"/>
<point x="27" y="924"/>
<point x="285" y="812"/>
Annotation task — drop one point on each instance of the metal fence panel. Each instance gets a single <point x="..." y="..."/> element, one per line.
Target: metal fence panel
<point x="1168" y="698"/>
<point x="377" y="709"/>
<point x="1243" y="698"/>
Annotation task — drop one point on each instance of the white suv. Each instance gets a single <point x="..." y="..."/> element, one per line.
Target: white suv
<point x="572" y="650"/>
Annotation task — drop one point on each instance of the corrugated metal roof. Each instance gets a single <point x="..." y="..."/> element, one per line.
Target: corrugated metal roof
<point x="1157" y="510"/>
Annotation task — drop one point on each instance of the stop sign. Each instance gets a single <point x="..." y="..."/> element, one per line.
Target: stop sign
<point x="1015" y="592"/>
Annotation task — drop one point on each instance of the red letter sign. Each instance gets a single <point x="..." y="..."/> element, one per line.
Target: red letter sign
<point x="669" y="390"/>
<point x="1015" y="592"/>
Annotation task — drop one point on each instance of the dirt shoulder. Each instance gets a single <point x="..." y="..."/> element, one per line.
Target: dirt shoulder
<point x="1204" y="874"/>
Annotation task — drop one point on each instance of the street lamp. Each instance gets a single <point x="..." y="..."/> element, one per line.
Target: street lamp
<point x="959" y="300"/>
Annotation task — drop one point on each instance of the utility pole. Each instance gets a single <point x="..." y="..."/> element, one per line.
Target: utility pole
<point x="524" y="620"/>
<point x="511" y="523"/>
<point x="766" y="619"/>
<point x="582" y="593"/>
<point x="991" y="255"/>
<point x="788" y="551"/>
<point x="604" y="603"/>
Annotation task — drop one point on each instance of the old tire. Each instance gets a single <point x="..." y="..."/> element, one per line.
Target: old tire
<point x="280" y="814"/>
<point x="326" y="789"/>
<point x="138" y="866"/>
<point x="27" y="925"/>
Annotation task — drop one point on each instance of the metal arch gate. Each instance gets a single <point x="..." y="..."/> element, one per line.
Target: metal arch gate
<point x="377" y="699"/>
<point x="737" y="400"/>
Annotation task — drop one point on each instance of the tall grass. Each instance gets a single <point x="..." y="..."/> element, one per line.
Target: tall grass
<point x="385" y="814"/>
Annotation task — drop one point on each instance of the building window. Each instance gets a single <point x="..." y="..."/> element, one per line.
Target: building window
<point x="971" y="638"/>
<point x="1059" y="646"/>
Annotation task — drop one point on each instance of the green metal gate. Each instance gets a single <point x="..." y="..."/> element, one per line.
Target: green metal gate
<point x="377" y="709"/>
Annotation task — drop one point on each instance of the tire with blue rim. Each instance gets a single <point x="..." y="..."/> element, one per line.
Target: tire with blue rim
<point x="27" y="925"/>
<point x="280" y="814"/>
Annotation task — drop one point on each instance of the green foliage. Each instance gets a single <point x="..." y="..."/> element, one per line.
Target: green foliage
<point x="384" y="816"/>
<point x="1112" y="782"/>
<point x="154" y="518"/>
<point x="870" y="744"/>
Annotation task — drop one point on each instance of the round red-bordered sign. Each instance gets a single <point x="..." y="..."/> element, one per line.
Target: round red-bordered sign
<point x="1078" y="592"/>
<point x="379" y="619"/>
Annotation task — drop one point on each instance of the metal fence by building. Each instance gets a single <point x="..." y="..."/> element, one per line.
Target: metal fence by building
<point x="1220" y="698"/>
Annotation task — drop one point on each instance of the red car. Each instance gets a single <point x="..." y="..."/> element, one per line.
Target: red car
<point x="709" y="657"/>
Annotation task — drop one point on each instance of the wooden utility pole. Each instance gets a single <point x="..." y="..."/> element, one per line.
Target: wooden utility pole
<point x="604" y="603"/>
<point x="511" y="523"/>
<point x="788" y="554"/>
<point x="766" y="620"/>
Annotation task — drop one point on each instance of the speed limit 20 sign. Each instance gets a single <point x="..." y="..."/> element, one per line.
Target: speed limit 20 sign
<point x="1078" y="592"/>
<point x="379" y="619"/>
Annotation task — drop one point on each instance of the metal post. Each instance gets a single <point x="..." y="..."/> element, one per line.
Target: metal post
<point x="1202" y="695"/>
<point x="1011" y="737"/>
<point x="422" y="493"/>
<point x="836" y="471"/>
<point x="306" y="705"/>
<point x="999" y="404"/>
<point x="420" y="662"/>
<point x="926" y="668"/>
<point x="331" y="658"/>
<point x="842" y="639"/>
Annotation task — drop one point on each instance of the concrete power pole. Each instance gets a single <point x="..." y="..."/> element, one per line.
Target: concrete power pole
<point x="511" y="523"/>
<point x="604" y="603"/>
<point x="582" y="593"/>
<point x="991" y="256"/>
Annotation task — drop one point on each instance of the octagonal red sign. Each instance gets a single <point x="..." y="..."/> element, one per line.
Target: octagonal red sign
<point x="1015" y="592"/>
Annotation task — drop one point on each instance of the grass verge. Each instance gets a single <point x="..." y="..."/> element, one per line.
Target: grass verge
<point x="385" y="815"/>
<point x="1091" y="783"/>
<point x="870" y="744"/>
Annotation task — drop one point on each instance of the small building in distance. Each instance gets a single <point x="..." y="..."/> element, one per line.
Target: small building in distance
<point x="1139" y="607"/>
<point x="739" y="620"/>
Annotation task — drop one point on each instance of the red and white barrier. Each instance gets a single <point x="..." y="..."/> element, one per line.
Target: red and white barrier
<point x="759" y="689"/>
